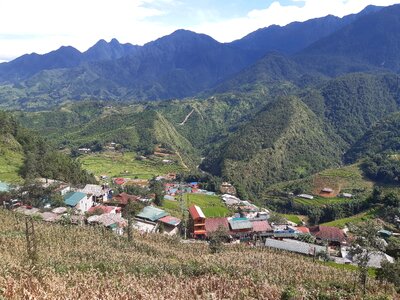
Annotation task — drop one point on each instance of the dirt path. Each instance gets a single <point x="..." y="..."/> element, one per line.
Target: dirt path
<point x="180" y="157"/>
<point x="186" y="118"/>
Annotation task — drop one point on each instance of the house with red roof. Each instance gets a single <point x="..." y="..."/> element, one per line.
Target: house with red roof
<point x="103" y="209"/>
<point x="212" y="224"/>
<point x="302" y="230"/>
<point x="198" y="221"/>
<point x="329" y="234"/>
<point x="123" y="199"/>
<point x="261" y="226"/>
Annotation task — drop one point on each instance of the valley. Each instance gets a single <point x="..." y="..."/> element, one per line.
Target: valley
<point x="262" y="168"/>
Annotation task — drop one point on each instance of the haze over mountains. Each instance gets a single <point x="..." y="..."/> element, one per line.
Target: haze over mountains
<point x="186" y="63"/>
<point x="280" y="104"/>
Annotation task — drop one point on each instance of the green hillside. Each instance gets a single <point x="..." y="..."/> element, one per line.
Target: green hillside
<point x="11" y="159"/>
<point x="355" y="102"/>
<point x="24" y="154"/>
<point x="283" y="142"/>
<point x="384" y="137"/>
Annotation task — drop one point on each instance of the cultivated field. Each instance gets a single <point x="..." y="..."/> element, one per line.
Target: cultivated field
<point x="358" y="218"/>
<point x="320" y="201"/>
<point x="115" y="164"/>
<point x="212" y="206"/>
<point x="89" y="263"/>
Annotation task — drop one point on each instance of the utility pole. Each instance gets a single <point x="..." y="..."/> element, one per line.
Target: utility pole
<point x="30" y="239"/>
<point x="183" y="210"/>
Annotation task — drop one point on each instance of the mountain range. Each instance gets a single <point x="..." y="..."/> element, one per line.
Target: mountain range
<point x="185" y="63"/>
<point x="280" y="104"/>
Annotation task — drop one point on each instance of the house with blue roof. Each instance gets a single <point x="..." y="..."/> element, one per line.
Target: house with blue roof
<point x="79" y="201"/>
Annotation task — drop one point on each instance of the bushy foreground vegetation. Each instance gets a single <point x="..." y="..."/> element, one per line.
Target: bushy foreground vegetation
<point x="88" y="263"/>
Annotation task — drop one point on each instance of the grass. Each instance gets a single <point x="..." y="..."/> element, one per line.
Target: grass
<point x="361" y="217"/>
<point x="292" y="218"/>
<point x="114" y="164"/>
<point x="10" y="164"/>
<point x="349" y="267"/>
<point x="212" y="206"/>
<point x="320" y="201"/>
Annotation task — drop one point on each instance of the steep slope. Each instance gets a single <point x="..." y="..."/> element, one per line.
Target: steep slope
<point x="384" y="137"/>
<point x="27" y="65"/>
<point x="136" y="131"/>
<point x="295" y="36"/>
<point x="23" y="154"/>
<point x="354" y="102"/>
<point x="373" y="39"/>
<point x="285" y="141"/>
<point x="181" y="64"/>
<point x="272" y="70"/>
<point x="11" y="152"/>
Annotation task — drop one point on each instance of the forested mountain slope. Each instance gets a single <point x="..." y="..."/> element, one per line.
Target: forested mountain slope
<point x="371" y="40"/>
<point x="285" y="141"/>
<point x="30" y="156"/>
<point x="382" y="138"/>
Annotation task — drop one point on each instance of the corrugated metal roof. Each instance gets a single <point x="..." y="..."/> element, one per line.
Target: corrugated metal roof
<point x="152" y="213"/>
<point x="212" y="224"/>
<point x="294" y="246"/>
<point x="261" y="226"/>
<point x="108" y="219"/>
<point x="170" y="220"/>
<point x="240" y="223"/>
<point x="93" y="189"/>
<point x="196" y="212"/>
<point x="328" y="233"/>
<point x="73" y="198"/>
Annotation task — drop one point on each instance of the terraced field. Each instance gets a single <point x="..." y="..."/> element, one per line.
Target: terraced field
<point x="320" y="201"/>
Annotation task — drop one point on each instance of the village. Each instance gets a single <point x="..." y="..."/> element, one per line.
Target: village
<point x="107" y="205"/>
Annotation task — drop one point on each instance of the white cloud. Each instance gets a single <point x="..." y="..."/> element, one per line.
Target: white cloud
<point x="44" y="25"/>
<point x="228" y="30"/>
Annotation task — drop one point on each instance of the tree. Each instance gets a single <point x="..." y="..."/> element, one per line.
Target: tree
<point x="315" y="215"/>
<point x="157" y="187"/>
<point x="390" y="272"/>
<point x="129" y="212"/>
<point x="217" y="238"/>
<point x="393" y="247"/>
<point x="366" y="243"/>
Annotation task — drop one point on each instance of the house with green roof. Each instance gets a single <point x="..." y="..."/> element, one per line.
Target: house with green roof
<point x="151" y="213"/>
<point x="79" y="201"/>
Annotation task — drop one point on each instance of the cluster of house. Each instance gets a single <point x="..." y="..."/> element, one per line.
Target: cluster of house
<point x="330" y="240"/>
<point x="173" y="189"/>
<point x="244" y="205"/>
<point x="96" y="204"/>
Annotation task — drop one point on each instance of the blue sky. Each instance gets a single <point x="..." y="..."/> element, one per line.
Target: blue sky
<point x="41" y="26"/>
<point x="193" y="12"/>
